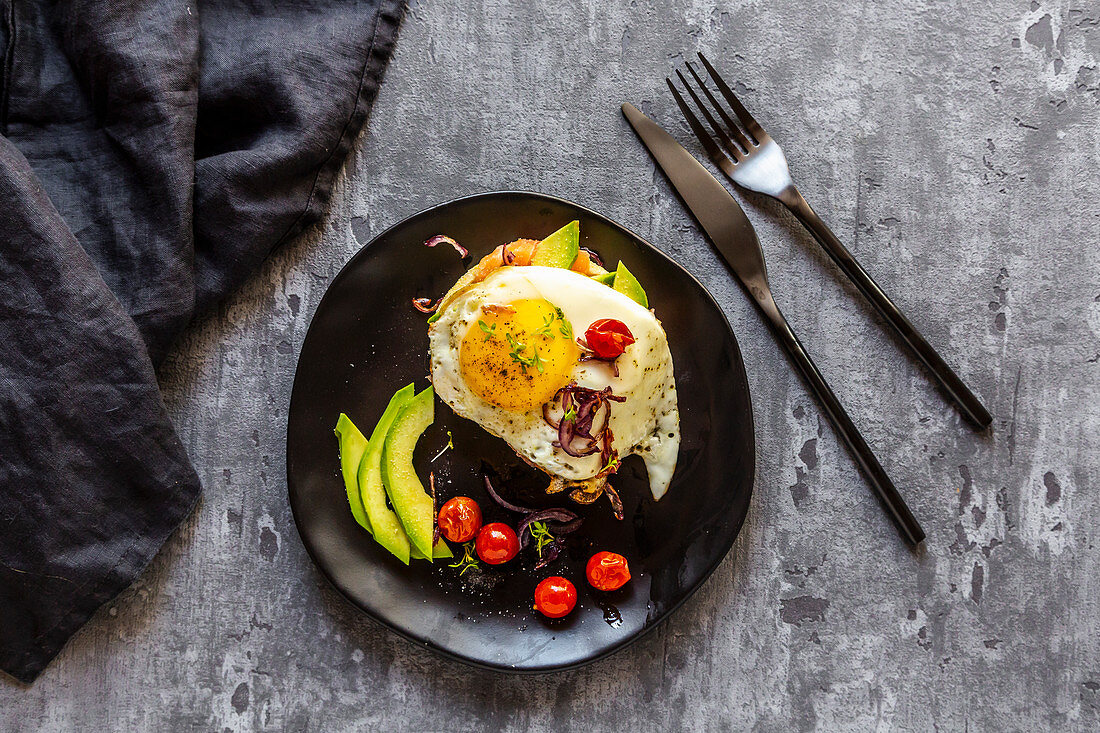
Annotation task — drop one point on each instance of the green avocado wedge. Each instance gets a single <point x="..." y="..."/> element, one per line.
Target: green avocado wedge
<point x="560" y="248"/>
<point x="628" y="285"/>
<point x="414" y="507"/>
<point x="605" y="278"/>
<point x="441" y="551"/>
<point x="352" y="446"/>
<point x="387" y="527"/>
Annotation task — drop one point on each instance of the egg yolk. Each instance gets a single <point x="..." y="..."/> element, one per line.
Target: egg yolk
<point x="518" y="355"/>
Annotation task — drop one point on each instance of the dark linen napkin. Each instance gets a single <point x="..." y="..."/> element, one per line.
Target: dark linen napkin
<point x="153" y="152"/>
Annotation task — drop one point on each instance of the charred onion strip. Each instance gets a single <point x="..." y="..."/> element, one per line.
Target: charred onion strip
<point x="616" y="502"/>
<point x="593" y="256"/>
<point x="501" y="501"/>
<point x="587" y="431"/>
<point x="425" y="305"/>
<point x="564" y="516"/>
<point x="443" y="238"/>
<point x="568" y="521"/>
<point x="608" y="453"/>
<point x="546" y="416"/>
<point x="576" y="436"/>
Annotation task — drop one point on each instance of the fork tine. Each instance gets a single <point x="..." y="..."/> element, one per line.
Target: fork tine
<point x="751" y="124"/>
<point x="726" y="142"/>
<point x="733" y="128"/>
<point x="712" y="148"/>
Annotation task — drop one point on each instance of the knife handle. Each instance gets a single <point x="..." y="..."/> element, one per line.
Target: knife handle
<point x="881" y="484"/>
<point x="970" y="406"/>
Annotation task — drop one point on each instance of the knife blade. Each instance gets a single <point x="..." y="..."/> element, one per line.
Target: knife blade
<point x="725" y="223"/>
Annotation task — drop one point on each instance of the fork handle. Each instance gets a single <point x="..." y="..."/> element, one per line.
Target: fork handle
<point x="881" y="484"/>
<point x="966" y="401"/>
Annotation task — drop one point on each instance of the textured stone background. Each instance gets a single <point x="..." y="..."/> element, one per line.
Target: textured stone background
<point x="953" y="146"/>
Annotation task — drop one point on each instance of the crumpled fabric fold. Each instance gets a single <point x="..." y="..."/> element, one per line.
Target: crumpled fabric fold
<point x="152" y="154"/>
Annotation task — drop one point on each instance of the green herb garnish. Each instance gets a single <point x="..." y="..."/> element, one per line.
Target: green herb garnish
<point x="523" y="361"/>
<point x="545" y="329"/>
<point x="564" y="327"/>
<point x="518" y="347"/>
<point x="540" y="533"/>
<point x="469" y="558"/>
<point x="487" y="329"/>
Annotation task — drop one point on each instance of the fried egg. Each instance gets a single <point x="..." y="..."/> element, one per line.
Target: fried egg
<point x="505" y="346"/>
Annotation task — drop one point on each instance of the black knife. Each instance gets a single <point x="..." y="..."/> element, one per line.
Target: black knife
<point x="729" y="230"/>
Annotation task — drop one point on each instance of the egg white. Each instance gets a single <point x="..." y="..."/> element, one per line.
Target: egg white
<point x="646" y="424"/>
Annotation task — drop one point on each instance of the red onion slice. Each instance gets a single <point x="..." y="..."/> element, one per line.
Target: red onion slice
<point x="549" y="554"/>
<point x="569" y="527"/>
<point x="567" y="435"/>
<point x="553" y="514"/>
<point x="425" y="305"/>
<point x="606" y="451"/>
<point x="546" y="416"/>
<point x="593" y="256"/>
<point x="499" y="500"/>
<point x="443" y="238"/>
<point x="576" y="436"/>
<point x="616" y="502"/>
<point x="543" y="515"/>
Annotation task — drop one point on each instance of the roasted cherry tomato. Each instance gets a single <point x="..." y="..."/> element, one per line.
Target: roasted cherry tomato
<point x="607" y="571"/>
<point x="608" y="338"/>
<point x="497" y="543"/>
<point x="555" y="597"/>
<point x="460" y="519"/>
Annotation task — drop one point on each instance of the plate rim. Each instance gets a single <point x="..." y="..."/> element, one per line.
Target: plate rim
<point x="426" y="642"/>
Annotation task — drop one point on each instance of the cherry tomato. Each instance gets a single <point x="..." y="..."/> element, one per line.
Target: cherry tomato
<point x="608" y="338"/>
<point x="497" y="543"/>
<point x="607" y="571"/>
<point x="555" y="597"/>
<point x="460" y="519"/>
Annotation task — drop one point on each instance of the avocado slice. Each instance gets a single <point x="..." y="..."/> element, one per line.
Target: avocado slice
<point x="414" y="507"/>
<point x="387" y="527"/>
<point x="628" y="285"/>
<point x="605" y="278"/>
<point x="560" y="248"/>
<point x="441" y="551"/>
<point x="352" y="446"/>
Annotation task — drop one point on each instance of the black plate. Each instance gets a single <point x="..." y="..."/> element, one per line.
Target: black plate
<point x="366" y="340"/>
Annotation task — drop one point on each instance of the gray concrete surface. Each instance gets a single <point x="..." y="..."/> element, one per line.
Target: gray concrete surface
<point x="953" y="146"/>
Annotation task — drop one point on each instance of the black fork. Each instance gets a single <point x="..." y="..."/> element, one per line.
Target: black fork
<point x="749" y="157"/>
